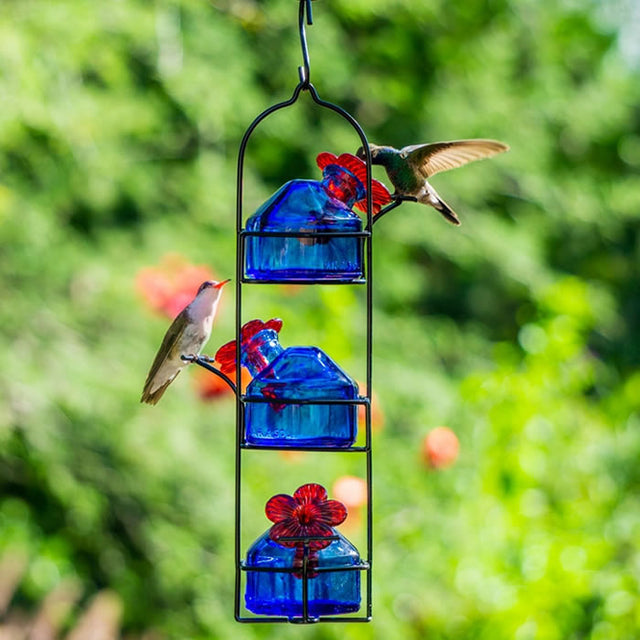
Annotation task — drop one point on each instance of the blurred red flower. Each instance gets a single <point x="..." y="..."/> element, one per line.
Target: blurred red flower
<point x="169" y="287"/>
<point x="440" y="448"/>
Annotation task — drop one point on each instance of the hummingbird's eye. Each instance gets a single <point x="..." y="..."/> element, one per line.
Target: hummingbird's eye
<point x="205" y="285"/>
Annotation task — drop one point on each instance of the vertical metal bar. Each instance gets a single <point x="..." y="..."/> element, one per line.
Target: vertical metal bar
<point x="239" y="405"/>
<point x="369" y="331"/>
<point x="369" y="477"/>
<point x="305" y="582"/>
<point x="239" y="416"/>
<point x="369" y="453"/>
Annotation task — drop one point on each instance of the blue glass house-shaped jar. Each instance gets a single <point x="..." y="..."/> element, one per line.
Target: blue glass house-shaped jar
<point x="302" y="535"/>
<point x="299" y="397"/>
<point x="333" y="587"/>
<point x="308" y="207"/>
<point x="283" y="376"/>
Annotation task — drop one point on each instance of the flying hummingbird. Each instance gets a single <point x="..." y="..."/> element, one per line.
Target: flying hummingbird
<point x="187" y="335"/>
<point x="408" y="168"/>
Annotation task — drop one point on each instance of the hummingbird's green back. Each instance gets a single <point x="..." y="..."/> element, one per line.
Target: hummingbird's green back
<point x="400" y="172"/>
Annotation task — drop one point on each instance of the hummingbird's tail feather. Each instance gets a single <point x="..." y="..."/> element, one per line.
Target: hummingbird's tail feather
<point x="431" y="198"/>
<point x="447" y="212"/>
<point x="151" y="396"/>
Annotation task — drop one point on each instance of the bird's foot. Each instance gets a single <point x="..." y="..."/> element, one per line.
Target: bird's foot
<point x="193" y="357"/>
<point x="398" y="197"/>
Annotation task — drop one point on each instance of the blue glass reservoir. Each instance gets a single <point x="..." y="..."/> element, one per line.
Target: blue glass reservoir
<point x="308" y="206"/>
<point x="296" y="373"/>
<point x="329" y="593"/>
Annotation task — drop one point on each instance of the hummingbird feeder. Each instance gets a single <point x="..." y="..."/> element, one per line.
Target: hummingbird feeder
<point x="302" y="570"/>
<point x="299" y="397"/>
<point x="302" y="567"/>
<point x="308" y="230"/>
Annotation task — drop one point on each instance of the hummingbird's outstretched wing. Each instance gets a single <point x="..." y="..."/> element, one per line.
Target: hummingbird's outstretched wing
<point x="429" y="159"/>
<point x="167" y="351"/>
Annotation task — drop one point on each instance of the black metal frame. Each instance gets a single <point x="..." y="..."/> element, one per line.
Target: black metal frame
<point x="304" y="15"/>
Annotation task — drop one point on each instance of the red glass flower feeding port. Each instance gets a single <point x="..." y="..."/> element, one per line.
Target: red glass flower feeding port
<point x="307" y="231"/>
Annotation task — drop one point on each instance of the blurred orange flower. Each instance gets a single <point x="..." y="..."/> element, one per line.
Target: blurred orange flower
<point x="351" y="491"/>
<point x="440" y="448"/>
<point x="292" y="456"/>
<point x="377" y="416"/>
<point x="290" y="289"/>
<point x="169" y="287"/>
<point x="210" y="387"/>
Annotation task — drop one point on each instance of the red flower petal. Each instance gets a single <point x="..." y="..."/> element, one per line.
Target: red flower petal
<point x="286" y="529"/>
<point x="380" y="195"/>
<point x="325" y="158"/>
<point x="226" y="354"/>
<point x="249" y="329"/>
<point x="310" y="493"/>
<point x="226" y="357"/>
<point x="292" y="529"/>
<point x="332" y="512"/>
<point x="280" y="507"/>
<point x="319" y="529"/>
<point x="274" y="323"/>
<point x="354" y="164"/>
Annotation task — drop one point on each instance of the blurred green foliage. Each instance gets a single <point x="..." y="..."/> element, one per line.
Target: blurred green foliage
<point x="118" y="139"/>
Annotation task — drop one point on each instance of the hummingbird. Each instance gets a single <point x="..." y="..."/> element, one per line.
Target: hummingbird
<point x="187" y="335"/>
<point x="408" y="168"/>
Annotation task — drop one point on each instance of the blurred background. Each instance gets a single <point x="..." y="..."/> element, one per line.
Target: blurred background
<point x="119" y="130"/>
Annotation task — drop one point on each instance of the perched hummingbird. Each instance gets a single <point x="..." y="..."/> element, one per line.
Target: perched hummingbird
<point x="187" y="335"/>
<point x="408" y="168"/>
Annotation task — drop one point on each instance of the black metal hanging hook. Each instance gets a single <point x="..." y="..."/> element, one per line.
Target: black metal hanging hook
<point x="304" y="11"/>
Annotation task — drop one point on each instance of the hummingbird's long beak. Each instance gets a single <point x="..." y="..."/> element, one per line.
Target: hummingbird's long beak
<point x="221" y="284"/>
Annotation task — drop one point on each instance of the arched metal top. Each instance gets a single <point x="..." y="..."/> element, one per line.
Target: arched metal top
<point x="302" y="86"/>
